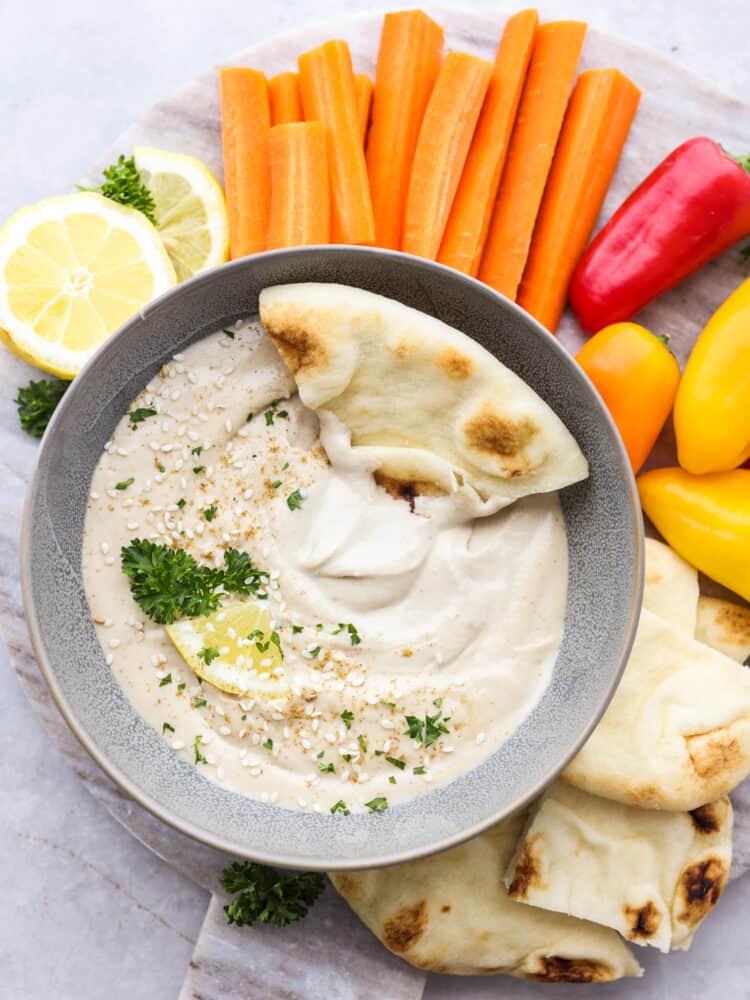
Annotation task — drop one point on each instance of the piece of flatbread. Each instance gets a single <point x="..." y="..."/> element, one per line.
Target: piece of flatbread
<point x="724" y="626"/>
<point x="677" y="732"/>
<point x="670" y="586"/>
<point x="653" y="876"/>
<point x="450" y="913"/>
<point x="424" y="402"/>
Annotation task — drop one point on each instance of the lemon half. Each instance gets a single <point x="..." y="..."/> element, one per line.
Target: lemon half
<point x="233" y="650"/>
<point x="72" y="270"/>
<point x="191" y="212"/>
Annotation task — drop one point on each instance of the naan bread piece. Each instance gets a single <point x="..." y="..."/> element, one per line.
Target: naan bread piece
<point x="724" y="626"/>
<point x="670" y="586"/>
<point x="652" y="876"/>
<point x="427" y="403"/>
<point x="450" y="913"/>
<point x="677" y="732"/>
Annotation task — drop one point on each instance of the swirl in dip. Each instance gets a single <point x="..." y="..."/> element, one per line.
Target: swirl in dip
<point x="417" y="632"/>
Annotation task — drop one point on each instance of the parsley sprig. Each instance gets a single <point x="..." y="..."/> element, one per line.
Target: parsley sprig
<point x="167" y="583"/>
<point x="428" y="730"/>
<point x="264" y="895"/>
<point x="37" y="402"/>
<point x="123" y="184"/>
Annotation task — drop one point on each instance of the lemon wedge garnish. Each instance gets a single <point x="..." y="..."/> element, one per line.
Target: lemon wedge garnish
<point x="191" y="212"/>
<point x="232" y="649"/>
<point x="72" y="270"/>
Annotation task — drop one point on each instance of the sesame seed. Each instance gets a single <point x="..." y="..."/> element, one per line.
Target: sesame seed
<point x="105" y="548"/>
<point x="178" y="745"/>
<point x="114" y="643"/>
<point x="109" y="659"/>
<point x="481" y="737"/>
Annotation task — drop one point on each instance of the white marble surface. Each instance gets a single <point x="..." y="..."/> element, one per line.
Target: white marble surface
<point x="86" y="911"/>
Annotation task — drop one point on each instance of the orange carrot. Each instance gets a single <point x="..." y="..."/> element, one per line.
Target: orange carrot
<point x="557" y="47"/>
<point x="327" y="87"/>
<point x="363" y="94"/>
<point x="283" y="94"/>
<point x="469" y="220"/>
<point x="595" y="129"/>
<point x="408" y="63"/>
<point x="444" y="138"/>
<point x="245" y="124"/>
<point x="300" y="212"/>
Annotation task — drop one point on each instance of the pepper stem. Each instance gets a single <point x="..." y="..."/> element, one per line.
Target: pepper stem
<point x="744" y="162"/>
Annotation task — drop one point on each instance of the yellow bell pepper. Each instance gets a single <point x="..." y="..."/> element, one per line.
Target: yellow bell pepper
<point x="706" y="519"/>
<point x="712" y="408"/>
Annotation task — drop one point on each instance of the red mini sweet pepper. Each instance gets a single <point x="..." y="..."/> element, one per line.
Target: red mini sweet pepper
<point x="692" y="207"/>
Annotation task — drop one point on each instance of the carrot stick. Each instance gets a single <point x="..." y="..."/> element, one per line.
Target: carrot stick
<point x="595" y="129"/>
<point x="363" y="94"/>
<point x="300" y="212"/>
<point x="408" y="63"/>
<point x="444" y="138"/>
<point x="469" y="220"/>
<point x="327" y="87"/>
<point x="283" y="95"/>
<point x="557" y="47"/>
<point x="245" y="124"/>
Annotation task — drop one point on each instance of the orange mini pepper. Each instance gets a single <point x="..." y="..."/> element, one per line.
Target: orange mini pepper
<point x="637" y="377"/>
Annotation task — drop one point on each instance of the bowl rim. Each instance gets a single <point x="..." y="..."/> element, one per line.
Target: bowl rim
<point x="227" y="844"/>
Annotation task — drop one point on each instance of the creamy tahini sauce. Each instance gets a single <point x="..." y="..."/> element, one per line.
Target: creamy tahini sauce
<point x="451" y="601"/>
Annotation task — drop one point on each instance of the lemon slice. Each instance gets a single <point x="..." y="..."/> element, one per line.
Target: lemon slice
<point x="191" y="213"/>
<point x="72" y="270"/>
<point x="233" y="650"/>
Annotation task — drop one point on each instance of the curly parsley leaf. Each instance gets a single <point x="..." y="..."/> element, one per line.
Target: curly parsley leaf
<point x="208" y="654"/>
<point x="137" y="416"/>
<point x="123" y="184"/>
<point x="37" y="402"/>
<point x="377" y="805"/>
<point x="340" y="807"/>
<point x="294" y="500"/>
<point x="241" y="575"/>
<point x="199" y="758"/>
<point x="264" y="895"/>
<point x="167" y="582"/>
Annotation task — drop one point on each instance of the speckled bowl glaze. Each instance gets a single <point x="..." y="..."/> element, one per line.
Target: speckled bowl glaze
<point x="605" y="545"/>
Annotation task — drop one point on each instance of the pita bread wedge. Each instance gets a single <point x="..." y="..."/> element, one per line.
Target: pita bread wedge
<point x="670" y="586"/>
<point x="652" y="876"/>
<point x="677" y="732"/>
<point x="450" y="913"/>
<point x="724" y="626"/>
<point x="429" y="405"/>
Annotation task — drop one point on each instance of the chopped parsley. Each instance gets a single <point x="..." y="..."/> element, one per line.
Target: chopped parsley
<point x="37" y="401"/>
<point x="362" y="743"/>
<point x="167" y="583"/>
<point x="166" y="728"/>
<point x="123" y="183"/>
<point x="161" y="468"/>
<point x="165" y="680"/>
<point x="140" y="414"/>
<point x="419" y="770"/>
<point x="181" y="503"/>
<point x="294" y="500"/>
<point x="285" y="466"/>
<point x="296" y="629"/>
<point x="348" y="718"/>
<point x="272" y="412"/>
<point x="229" y="333"/>
<point x="400" y="764"/>
<point x="263" y="647"/>
<point x="315" y="653"/>
<point x="268" y="744"/>
<point x="351" y="629"/>
<point x="199" y="758"/>
<point x="197" y="450"/>
<point x="249" y="417"/>
<point x="264" y="895"/>
<point x="199" y="702"/>
<point x="125" y="483"/>
<point x="328" y="768"/>
<point x="428" y="730"/>
<point x="392" y="779"/>
<point x="340" y="807"/>
<point x="197" y="469"/>
<point x="275" y="484"/>
<point x="377" y="805"/>
<point x="181" y="687"/>
<point x="347" y="757"/>
<point x="210" y="512"/>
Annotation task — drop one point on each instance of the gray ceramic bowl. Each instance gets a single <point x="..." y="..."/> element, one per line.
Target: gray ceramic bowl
<point x="605" y="557"/>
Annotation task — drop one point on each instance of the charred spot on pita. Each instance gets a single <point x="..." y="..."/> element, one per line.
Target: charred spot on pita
<point x="454" y="364"/>
<point x="709" y="818"/>
<point x="405" y="927"/>
<point x="527" y="874"/>
<point x="701" y="885"/>
<point x="501" y="437"/>
<point x="643" y="921"/>
<point x="556" y="969"/>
